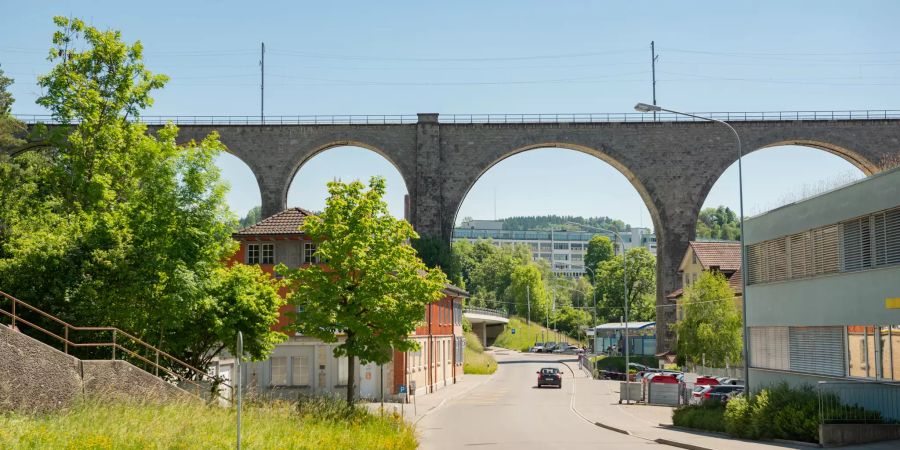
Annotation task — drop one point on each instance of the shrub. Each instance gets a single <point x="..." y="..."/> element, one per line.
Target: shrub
<point x="709" y="417"/>
<point x="737" y="417"/>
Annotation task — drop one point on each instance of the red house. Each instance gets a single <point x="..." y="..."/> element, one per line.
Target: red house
<point x="307" y="365"/>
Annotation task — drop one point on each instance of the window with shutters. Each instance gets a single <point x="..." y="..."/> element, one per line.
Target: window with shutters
<point x="769" y="348"/>
<point x="887" y="237"/>
<point x="818" y="350"/>
<point x="856" y="244"/>
<point x="279" y="371"/>
<point x="300" y="370"/>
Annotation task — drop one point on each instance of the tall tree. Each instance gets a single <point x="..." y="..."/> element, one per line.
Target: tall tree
<point x="10" y="127"/>
<point x="123" y="228"/>
<point x="711" y="327"/>
<point x="718" y="223"/>
<point x="599" y="249"/>
<point x="641" y="287"/>
<point x="527" y="291"/>
<point x="372" y="287"/>
<point x="253" y="216"/>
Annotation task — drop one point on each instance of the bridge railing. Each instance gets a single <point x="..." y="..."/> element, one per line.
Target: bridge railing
<point x="395" y="119"/>
<point x="485" y="311"/>
<point x="385" y="119"/>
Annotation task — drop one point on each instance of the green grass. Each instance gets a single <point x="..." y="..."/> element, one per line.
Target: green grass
<point x="322" y="423"/>
<point x="476" y="361"/>
<point x="526" y="335"/>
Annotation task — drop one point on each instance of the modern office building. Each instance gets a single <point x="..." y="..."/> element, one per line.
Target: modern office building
<point x="823" y="293"/>
<point x="564" y="250"/>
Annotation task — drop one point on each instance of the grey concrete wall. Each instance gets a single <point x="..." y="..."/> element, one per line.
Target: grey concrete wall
<point x="672" y="165"/>
<point x="836" y="435"/>
<point x="35" y="377"/>
<point x="848" y="298"/>
<point x="119" y="380"/>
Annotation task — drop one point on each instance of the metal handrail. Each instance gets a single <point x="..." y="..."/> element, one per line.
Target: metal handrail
<point x="114" y="345"/>
<point x="487" y="311"/>
<point x="400" y="119"/>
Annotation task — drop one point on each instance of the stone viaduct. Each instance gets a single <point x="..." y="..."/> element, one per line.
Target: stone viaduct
<point x="673" y="165"/>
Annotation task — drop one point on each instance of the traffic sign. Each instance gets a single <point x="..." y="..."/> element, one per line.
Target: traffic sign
<point x="402" y="388"/>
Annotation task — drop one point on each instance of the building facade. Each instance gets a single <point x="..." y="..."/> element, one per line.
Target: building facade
<point x="563" y="250"/>
<point x="306" y="365"/>
<point x="709" y="256"/>
<point x="823" y="286"/>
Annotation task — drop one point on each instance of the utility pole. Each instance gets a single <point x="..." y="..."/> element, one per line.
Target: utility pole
<point x="528" y="299"/>
<point x="262" y="83"/>
<point x="653" y="58"/>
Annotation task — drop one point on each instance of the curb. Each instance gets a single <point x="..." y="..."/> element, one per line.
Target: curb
<point x="680" y="444"/>
<point x="611" y="428"/>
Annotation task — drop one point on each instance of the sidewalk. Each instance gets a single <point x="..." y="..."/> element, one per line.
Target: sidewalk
<point x="420" y="406"/>
<point x="598" y="402"/>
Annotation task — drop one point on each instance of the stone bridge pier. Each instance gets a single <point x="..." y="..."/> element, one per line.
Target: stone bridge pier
<point x="672" y="165"/>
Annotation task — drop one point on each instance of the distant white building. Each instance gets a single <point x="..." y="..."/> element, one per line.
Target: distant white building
<point x="564" y="250"/>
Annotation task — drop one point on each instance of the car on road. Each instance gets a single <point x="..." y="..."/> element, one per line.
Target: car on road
<point x="538" y="347"/>
<point x="549" y="347"/>
<point x="549" y="376"/>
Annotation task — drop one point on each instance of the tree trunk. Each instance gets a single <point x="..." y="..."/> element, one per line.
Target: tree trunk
<point x="351" y="377"/>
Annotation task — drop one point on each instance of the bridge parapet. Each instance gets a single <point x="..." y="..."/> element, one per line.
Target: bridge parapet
<point x="400" y="119"/>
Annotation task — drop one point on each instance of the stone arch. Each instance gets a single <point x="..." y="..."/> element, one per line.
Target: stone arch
<point x="855" y="158"/>
<point x="307" y="156"/>
<point x="253" y="172"/>
<point x="603" y="156"/>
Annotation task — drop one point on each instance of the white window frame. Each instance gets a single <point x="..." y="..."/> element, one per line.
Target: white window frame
<point x="263" y="257"/>
<point x="283" y="379"/>
<point x="253" y="254"/>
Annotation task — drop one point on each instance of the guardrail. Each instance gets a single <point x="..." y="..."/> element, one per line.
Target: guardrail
<point x="858" y="402"/>
<point x="142" y="353"/>
<point x="397" y="119"/>
<point x="485" y="311"/>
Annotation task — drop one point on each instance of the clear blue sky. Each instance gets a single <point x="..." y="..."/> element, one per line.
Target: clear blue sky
<point x="499" y="57"/>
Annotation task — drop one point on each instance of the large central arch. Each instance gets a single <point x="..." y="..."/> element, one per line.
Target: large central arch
<point x="630" y="176"/>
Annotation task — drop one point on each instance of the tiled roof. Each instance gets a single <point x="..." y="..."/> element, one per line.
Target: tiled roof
<point x="724" y="254"/>
<point x="734" y="282"/>
<point x="285" y="222"/>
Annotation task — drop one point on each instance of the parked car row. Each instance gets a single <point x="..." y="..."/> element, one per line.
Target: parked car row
<point x="718" y="393"/>
<point x="556" y="347"/>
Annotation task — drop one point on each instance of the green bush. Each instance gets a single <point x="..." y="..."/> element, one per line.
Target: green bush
<point x="737" y="417"/>
<point x="709" y="417"/>
<point x="617" y="363"/>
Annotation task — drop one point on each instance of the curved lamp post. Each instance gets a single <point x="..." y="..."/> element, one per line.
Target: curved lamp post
<point x="643" y="107"/>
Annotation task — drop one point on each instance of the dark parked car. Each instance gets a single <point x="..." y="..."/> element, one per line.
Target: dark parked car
<point x="549" y="376"/>
<point x="721" y="393"/>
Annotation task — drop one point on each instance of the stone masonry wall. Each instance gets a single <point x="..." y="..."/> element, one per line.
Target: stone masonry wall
<point x="37" y="378"/>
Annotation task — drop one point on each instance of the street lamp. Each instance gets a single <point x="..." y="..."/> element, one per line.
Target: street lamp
<point x="594" y="309"/>
<point x="624" y="285"/>
<point x="643" y="107"/>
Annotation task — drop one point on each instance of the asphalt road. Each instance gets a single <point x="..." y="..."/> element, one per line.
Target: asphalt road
<point x="510" y="412"/>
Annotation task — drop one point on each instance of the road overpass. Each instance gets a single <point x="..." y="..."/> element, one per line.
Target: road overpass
<point x="487" y="324"/>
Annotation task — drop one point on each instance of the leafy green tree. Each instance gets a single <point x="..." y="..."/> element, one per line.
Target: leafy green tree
<point x="641" y="287"/>
<point x="435" y="252"/>
<point x="240" y="297"/>
<point x="711" y="327"/>
<point x="599" y="249"/>
<point x="253" y="217"/>
<point x="372" y="287"/>
<point x="10" y="127"/>
<point x="718" y="223"/>
<point x="571" y="320"/>
<point x="122" y="228"/>
<point x="527" y="287"/>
